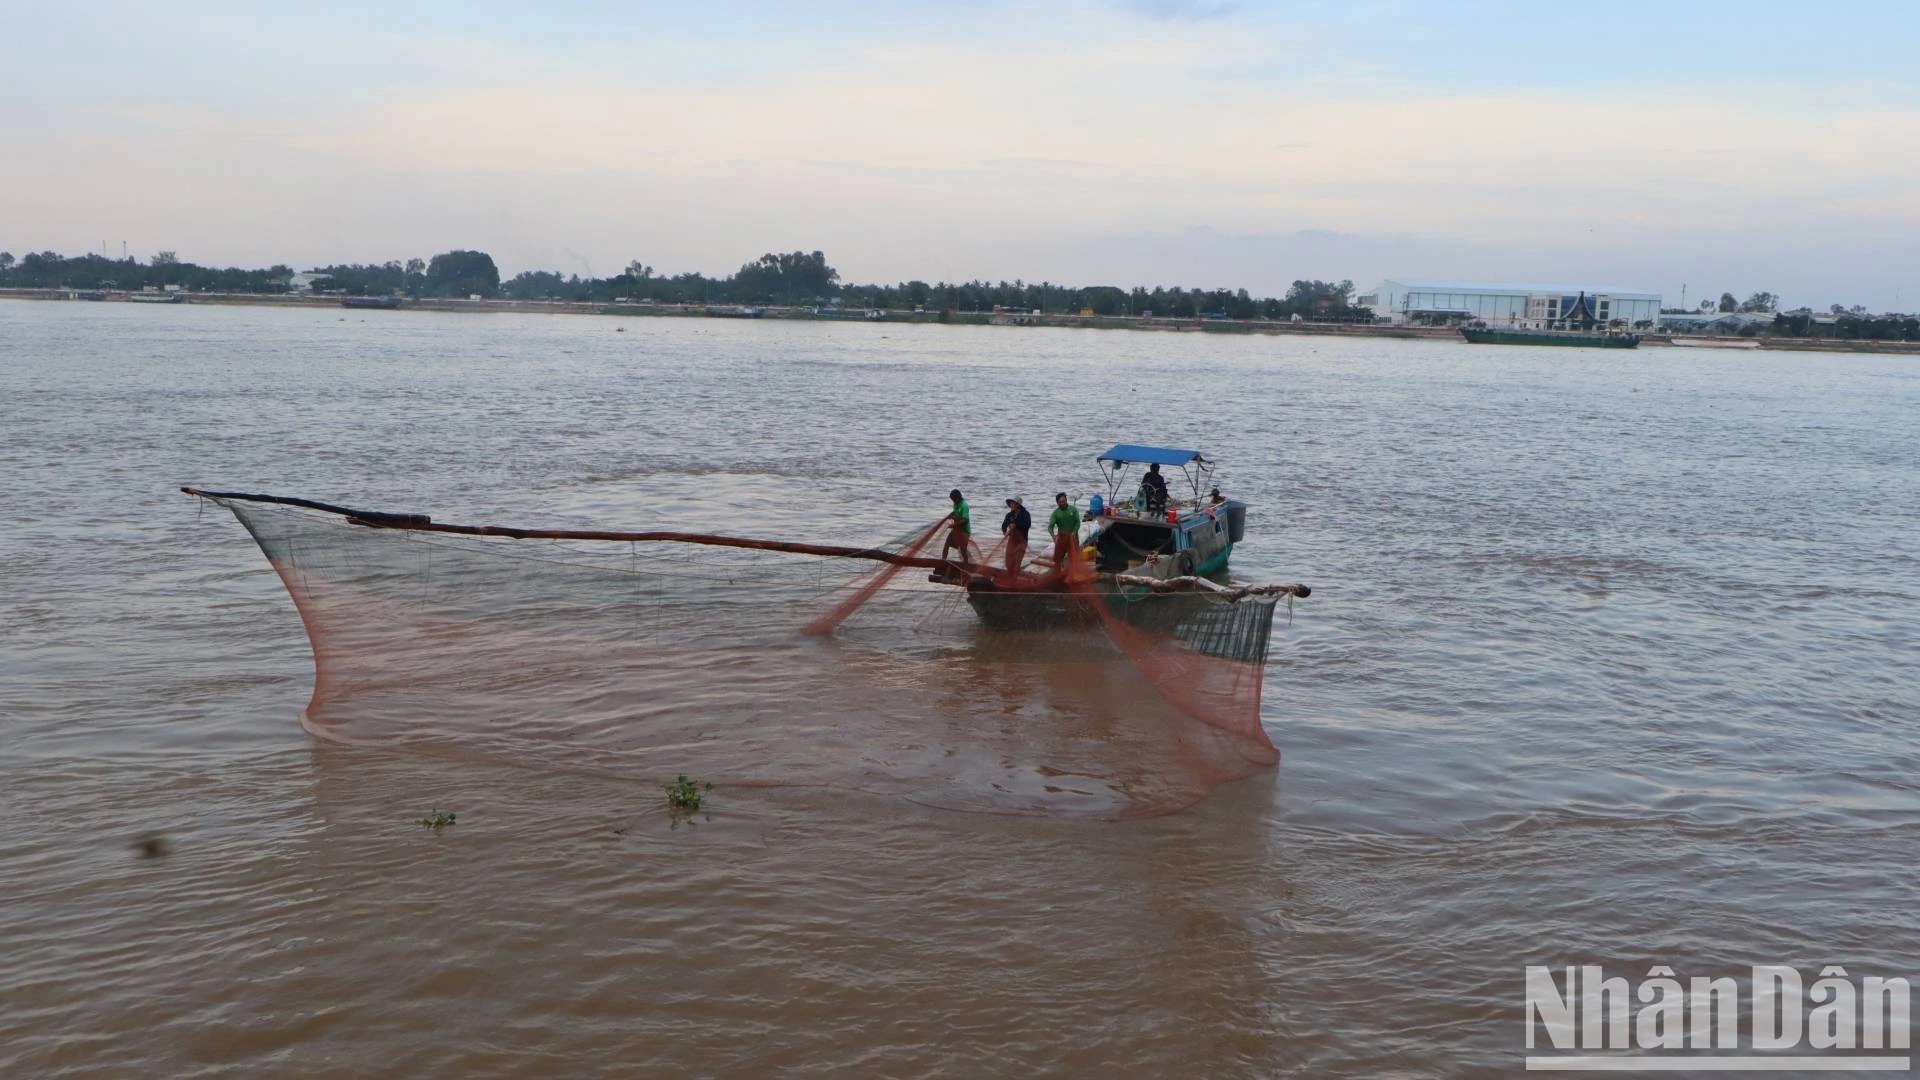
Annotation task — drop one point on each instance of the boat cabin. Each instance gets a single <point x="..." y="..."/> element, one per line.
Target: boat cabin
<point x="1134" y="530"/>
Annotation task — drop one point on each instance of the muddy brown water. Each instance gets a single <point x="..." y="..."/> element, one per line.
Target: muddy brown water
<point x="1610" y="659"/>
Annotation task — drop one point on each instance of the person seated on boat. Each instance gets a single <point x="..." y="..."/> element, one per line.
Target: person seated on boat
<point x="1215" y="497"/>
<point x="1015" y="527"/>
<point x="1064" y="525"/>
<point x="1155" y="486"/>
<point x="961" y="535"/>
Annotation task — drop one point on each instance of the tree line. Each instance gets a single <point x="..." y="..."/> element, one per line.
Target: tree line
<point x="1847" y="326"/>
<point x="807" y="278"/>
<point x="1839" y="321"/>
<point x="802" y="278"/>
<point x="453" y="273"/>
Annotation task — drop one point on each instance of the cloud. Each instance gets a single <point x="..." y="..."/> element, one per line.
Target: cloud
<point x="1045" y="153"/>
<point x="1180" y="10"/>
<point x="967" y="133"/>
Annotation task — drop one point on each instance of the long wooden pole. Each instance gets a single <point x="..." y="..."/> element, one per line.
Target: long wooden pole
<point x="421" y="523"/>
<point x="375" y="519"/>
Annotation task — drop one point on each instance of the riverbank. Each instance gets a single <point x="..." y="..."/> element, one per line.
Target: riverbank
<point x="951" y="318"/>
<point x="1786" y="344"/>
<point x="807" y="314"/>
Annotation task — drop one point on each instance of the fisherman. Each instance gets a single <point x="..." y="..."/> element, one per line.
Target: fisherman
<point x="1015" y="527"/>
<point x="1064" y="524"/>
<point x="1155" y="486"/>
<point x="961" y="535"/>
<point x="1216" y="497"/>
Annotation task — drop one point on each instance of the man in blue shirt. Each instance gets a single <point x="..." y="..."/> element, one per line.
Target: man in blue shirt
<point x="1015" y="527"/>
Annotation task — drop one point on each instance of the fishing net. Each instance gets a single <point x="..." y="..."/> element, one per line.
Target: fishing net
<point x="647" y="660"/>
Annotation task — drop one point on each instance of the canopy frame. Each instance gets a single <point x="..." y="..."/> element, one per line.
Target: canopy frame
<point x="1192" y="464"/>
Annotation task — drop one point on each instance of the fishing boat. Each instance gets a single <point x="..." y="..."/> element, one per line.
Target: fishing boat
<point x="375" y="303"/>
<point x="537" y="609"/>
<point x="1713" y="343"/>
<point x="156" y="298"/>
<point x="1575" y="338"/>
<point x="1133" y="546"/>
<point x="1154" y="555"/>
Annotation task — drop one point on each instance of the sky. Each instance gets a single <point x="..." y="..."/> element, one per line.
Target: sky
<point x="1205" y="143"/>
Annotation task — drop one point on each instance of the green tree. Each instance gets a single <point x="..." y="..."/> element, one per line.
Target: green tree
<point x="164" y="258"/>
<point x="1728" y="303"/>
<point x="1103" y="299"/>
<point x="547" y="285"/>
<point x="1318" y="299"/>
<point x="462" y="273"/>
<point x="1760" y="301"/>
<point x="355" y="279"/>
<point x="6" y="261"/>
<point x="796" y="275"/>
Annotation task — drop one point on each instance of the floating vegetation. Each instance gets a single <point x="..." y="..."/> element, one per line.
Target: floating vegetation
<point x="152" y="846"/>
<point x="439" y="819"/>
<point x="684" y="796"/>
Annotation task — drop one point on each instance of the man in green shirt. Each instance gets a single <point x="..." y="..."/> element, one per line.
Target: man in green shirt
<point x="1064" y="524"/>
<point x="961" y="535"/>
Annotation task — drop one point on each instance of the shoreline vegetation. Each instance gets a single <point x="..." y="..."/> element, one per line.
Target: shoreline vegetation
<point x="803" y="286"/>
<point x="808" y="313"/>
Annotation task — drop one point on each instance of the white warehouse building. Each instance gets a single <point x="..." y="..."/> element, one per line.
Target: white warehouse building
<point x="1418" y="300"/>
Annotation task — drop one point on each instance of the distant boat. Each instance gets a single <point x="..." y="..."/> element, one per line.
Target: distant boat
<point x="380" y="303"/>
<point x="735" y="312"/>
<point x="1715" y="343"/>
<point x="1575" y="338"/>
<point x="155" y="298"/>
<point x="90" y="294"/>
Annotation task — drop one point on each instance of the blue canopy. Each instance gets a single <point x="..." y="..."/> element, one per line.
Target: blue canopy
<point x="1150" y="455"/>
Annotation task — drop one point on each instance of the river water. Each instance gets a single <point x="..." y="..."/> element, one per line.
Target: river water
<point x="1610" y="659"/>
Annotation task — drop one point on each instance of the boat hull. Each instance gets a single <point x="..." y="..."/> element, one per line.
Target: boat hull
<point x="1192" y="623"/>
<point x="1052" y="608"/>
<point x="1056" y="605"/>
<point x="1560" y="338"/>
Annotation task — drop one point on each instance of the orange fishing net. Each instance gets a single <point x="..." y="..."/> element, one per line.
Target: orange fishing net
<point x="751" y="667"/>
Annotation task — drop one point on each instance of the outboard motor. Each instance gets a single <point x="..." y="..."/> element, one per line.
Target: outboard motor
<point x="1236" y="522"/>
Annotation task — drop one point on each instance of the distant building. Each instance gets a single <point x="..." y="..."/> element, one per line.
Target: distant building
<point x="1418" y="300"/>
